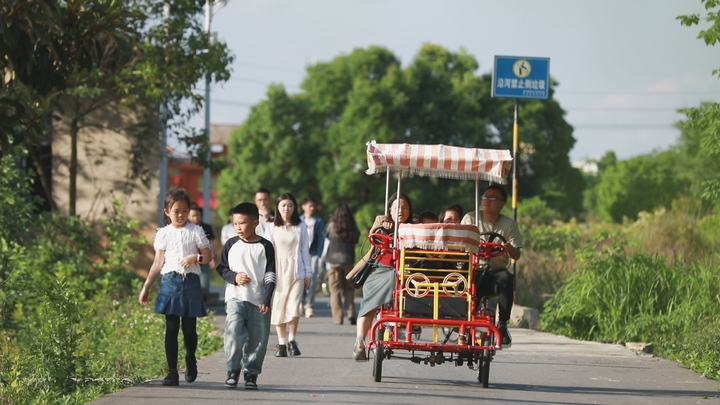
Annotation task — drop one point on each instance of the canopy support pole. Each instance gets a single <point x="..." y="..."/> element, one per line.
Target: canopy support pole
<point x="397" y="210"/>
<point x="516" y="131"/>
<point x="477" y="202"/>
<point x="387" y="191"/>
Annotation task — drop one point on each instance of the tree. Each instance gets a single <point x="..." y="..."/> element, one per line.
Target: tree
<point x="151" y="75"/>
<point x="43" y="44"/>
<point x="544" y="167"/>
<point x="367" y="95"/>
<point x="270" y="150"/>
<point x="590" y="202"/>
<point x="106" y="53"/>
<point x="697" y="164"/>
<point x="705" y="120"/>
<point x="641" y="183"/>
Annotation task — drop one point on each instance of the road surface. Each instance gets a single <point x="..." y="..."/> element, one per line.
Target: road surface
<point x="539" y="368"/>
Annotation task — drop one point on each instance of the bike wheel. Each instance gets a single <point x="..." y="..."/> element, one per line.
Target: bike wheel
<point x="377" y="363"/>
<point x="484" y="364"/>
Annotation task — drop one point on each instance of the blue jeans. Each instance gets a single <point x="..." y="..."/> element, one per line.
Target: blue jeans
<point x="246" y="336"/>
<point x="318" y="268"/>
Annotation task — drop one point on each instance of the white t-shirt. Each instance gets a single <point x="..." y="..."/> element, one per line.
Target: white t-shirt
<point x="178" y="243"/>
<point x="261" y="226"/>
<point x="226" y="233"/>
<point x="257" y="260"/>
<point x="310" y="225"/>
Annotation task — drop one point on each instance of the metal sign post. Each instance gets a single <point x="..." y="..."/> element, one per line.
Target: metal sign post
<point x="520" y="77"/>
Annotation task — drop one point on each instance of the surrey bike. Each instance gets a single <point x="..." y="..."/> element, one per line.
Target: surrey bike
<point x="437" y="266"/>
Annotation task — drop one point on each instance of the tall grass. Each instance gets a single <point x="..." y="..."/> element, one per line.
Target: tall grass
<point x="654" y="280"/>
<point x="617" y="296"/>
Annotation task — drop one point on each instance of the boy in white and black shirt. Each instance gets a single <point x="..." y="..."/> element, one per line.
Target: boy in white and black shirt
<point x="247" y="264"/>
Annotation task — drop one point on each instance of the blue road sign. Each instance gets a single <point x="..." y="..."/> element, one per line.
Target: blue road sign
<point x="521" y="77"/>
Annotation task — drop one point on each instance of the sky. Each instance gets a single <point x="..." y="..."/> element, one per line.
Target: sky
<point x="624" y="67"/>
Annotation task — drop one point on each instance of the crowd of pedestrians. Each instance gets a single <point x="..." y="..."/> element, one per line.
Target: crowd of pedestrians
<point x="273" y="262"/>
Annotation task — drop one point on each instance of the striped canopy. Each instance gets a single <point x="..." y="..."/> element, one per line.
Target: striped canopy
<point x="440" y="161"/>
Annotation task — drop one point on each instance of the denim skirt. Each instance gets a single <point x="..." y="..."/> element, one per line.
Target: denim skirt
<point x="180" y="295"/>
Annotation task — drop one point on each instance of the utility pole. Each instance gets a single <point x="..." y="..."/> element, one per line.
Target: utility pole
<point x="163" y="147"/>
<point x="206" y="170"/>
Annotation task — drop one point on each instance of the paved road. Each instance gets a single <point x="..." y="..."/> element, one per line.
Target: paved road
<point x="540" y="368"/>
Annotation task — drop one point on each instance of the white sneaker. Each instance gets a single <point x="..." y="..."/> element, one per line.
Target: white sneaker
<point x="308" y="312"/>
<point x="359" y="351"/>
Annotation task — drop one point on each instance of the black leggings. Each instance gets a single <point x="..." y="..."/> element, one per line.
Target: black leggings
<point x="172" y="329"/>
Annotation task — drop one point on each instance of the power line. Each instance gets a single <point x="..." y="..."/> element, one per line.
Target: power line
<point x="623" y="110"/>
<point x="635" y="93"/>
<point x="623" y="127"/>
<point x="250" y="80"/>
<point x="237" y="103"/>
<point x="260" y="66"/>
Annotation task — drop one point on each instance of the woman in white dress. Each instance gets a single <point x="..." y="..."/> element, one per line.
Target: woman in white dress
<point x="294" y="273"/>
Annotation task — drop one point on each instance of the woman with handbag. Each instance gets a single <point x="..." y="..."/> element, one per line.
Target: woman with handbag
<point x="379" y="286"/>
<point x="342" y="235"/>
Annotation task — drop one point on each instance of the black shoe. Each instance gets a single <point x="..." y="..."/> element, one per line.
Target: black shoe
<point x="281" y="351"/>
<point x="506" y="340"/>
<point x="172" y="379"/>
<point x="294" y="351"/>
<point x="353" y="320"/>
<point x="232" y="380"/>
<point x="250" y="382"/>
<point x="190" y="369"/>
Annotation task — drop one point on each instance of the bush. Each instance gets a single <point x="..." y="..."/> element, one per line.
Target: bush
<point x="639" y="297"/>
<point x="548" y="257"/>
<point x="71" y="326"/>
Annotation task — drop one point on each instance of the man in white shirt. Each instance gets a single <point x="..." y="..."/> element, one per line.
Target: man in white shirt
<point x="264" y="204"/>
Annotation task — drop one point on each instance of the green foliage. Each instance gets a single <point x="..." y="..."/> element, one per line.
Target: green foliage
<point x="45" y="45"/>
<point x="172" y="61"/>
<point x="673" y="234"/>
<point x="267" y="149"/>
<point x="697" y="348"/>
<point x="314" y="142"/>
<point x="535" y="212"/>
<point x="653" y="279"/>
<point x="614" y="295"/>
<point x="544" y="169"/>
<point x="709" y="226"/>
<point x="702" y="136"/>
<point x="548" y="256"/>
<point x="608" y="292"/>
<point x="638" y="184"/>
<point x="704" y="120"/>
<point x="77" y="58"/>
<point x="71" y="326"/>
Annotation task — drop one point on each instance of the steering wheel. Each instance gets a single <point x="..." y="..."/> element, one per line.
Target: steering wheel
<point x="381" y="238"/>
<point x="413" y="288"/>
<point x="490" y="248"/>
